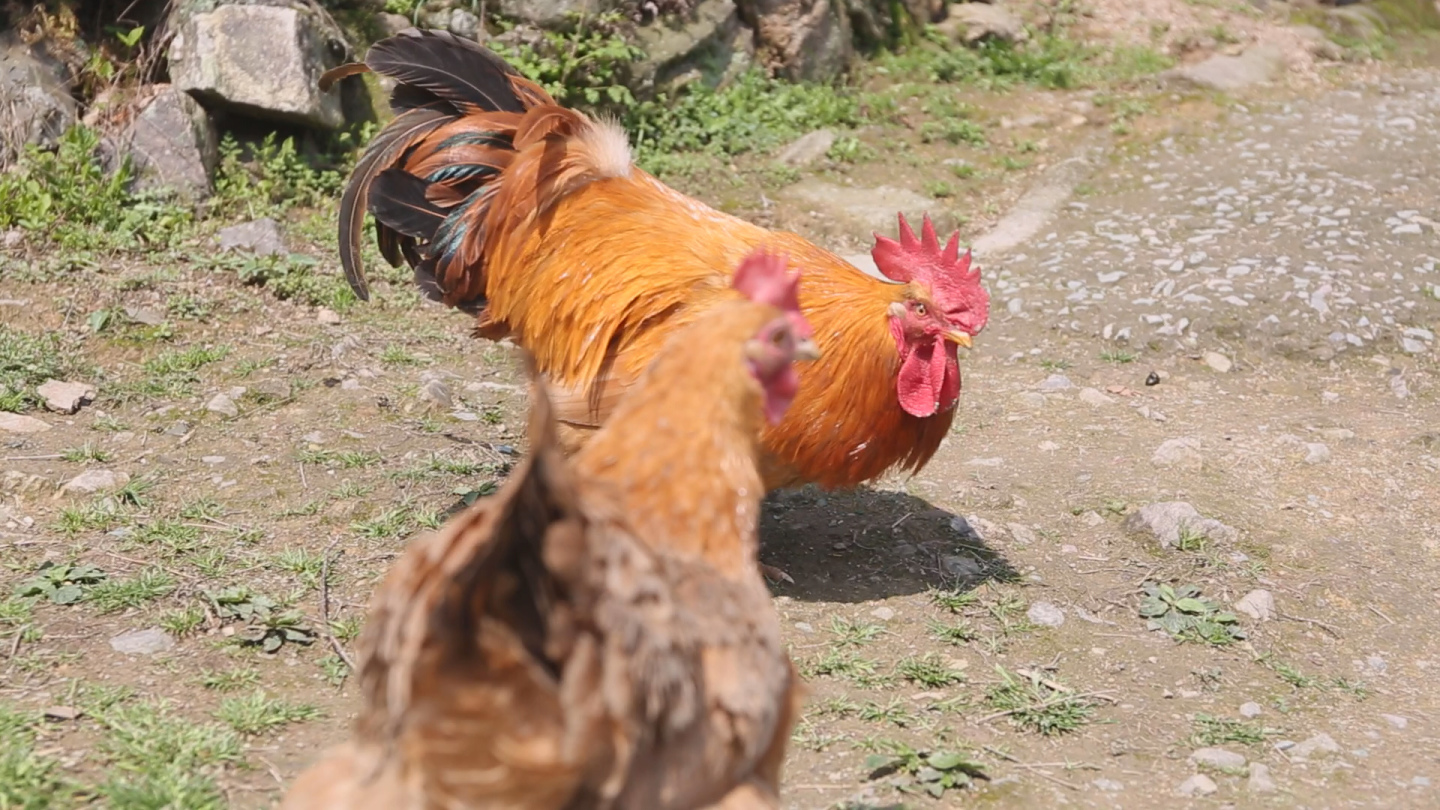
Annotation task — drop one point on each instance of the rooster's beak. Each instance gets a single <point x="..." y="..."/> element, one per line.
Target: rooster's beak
<point x="806" y="350"/>
<point x="957" y="337"/>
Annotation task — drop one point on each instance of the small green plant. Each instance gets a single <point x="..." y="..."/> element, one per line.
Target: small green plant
<point x="585" y="63"/>
<point x="953" y="600"/>
<point x="928" y="772"/>
<point x="265" y="624"/>
<point x="293" y="277"/>
<point x="159" y="758"/>
<point x="114" y="595"/>
<point x="61" y="583"/>
<point x="1117" y="356"/>
<point x="1039" y="704"/>
<point x="952" y="131"/>
<point x="28" y="779"/>
<point x="955" y="633"/>
<point x="258" y="713"/>
<point x="850" y="633"/>
<point x="849" y="149"/>
<point x="270" y="180"/>
<point x="929" y="670"/>
<point x="1187" y="616"/>
<point x="939" y="189"/>
<point x="230" y="680"/>
<point x="1211" y="730"/>
<point x="85" y="452"/>
<point x="26" y="360"/>
<point x="182" y="621"/>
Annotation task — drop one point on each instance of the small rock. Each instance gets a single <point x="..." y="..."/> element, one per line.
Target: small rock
<point x="808" y="148"/>
<point x="213" y="459"/>
<point x="1218" y="758"/>
<point x="1197" y="785"/>
<point x="963" y="566"/>
<point x="973" y="22"/>
<point x="882" y="613"/>
<point x="1395" y="720"/>
<point x="437" y="392"/>
<point x="1056" y="382"/>
<point x="1032" y="399"/>
<point x="1337" y="434"/>
<point x="1259" y="605"/>
<point x="1024" y="535"/>
<point x="180" y="428"/>
<point x="142" y="642"/>
<point x="16" y="423"/>
<point x="261" y="237"/>
<point x="1260" y="780"/>
<point x="1412" y="346"/>
<point x="92" y="481"/>
<point x="465" y="24"/>
<point x="1316" y="745"/>
<point x="1250" y="710"/>
<point x="62" y="713"/>
<point x="1182" y="453"/>
<point x="1108" y="785"/>
<point x="65" y="397"/>
<point x="1094" y="398"/>
<point x="327" y="316"/>
<point x="1045" y="614"/>
<point x="1164" y="522"/>
<point x="145" y="315"/>
<point x="392" y="24"/>
<point x="1219" y="362"/>
<point x="223" y="405"/>
<point x="1316" y="453"/>
<point x="1229" y="73"/>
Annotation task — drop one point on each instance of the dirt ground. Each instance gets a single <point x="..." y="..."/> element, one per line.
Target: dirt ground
<point x="990" y="607"/>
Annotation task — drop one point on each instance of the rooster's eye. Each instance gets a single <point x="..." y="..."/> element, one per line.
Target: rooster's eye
<point x="778" y="337"/>
<point x="919" y="309"/>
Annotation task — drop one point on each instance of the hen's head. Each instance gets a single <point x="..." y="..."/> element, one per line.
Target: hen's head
<point x="943" y="306"/>
<point x="772" y="352"/>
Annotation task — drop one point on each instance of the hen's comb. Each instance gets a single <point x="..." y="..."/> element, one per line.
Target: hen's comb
<point x="762" y="277"/>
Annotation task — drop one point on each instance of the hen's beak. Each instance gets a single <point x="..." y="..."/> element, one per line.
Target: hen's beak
<point x="806" y="350"/>
<point x="957" y="337"/>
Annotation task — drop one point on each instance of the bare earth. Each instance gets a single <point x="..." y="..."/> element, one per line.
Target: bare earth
<point x="1276" y="266"/>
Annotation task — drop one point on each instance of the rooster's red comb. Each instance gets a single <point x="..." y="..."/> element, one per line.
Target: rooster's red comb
<point x="763" y="278"/>
<point x="952" y="281"/>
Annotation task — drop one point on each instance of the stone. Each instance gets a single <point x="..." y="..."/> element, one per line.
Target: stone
<point x="1024" y="535"/>
<point x="1197" y="785"/>
<point x="1181" y="453"/>
<point x="172" y="144"/>
<point x="465" y="24"/>
<point x="1108" y="785"/>
<point x="1396" y="721"/>
<point x="327" y="316"/>
<point x="883" y="613"/>
<point x="1316" y="453"/>
<point x="710" y="46"/>
<point x="150" y="641"/>
<point x="802" y="40"/>
<point x="1319" y="744"/>
<point x="1318" y="45"/>
<point x="1257" y="604"/>
<point x="223" y="405"/>
<point x="1165" y="521"/>
<point x="974" y="22"/>
<point x="260" y="236"/>
<point x="862" y="209"/>
<point x="1260" y="780"/>
<point x="1056" y="382"/>
<point x="1257" y="65"/>
<point x="1218" y="758"/>
<point x="93" y="481"/>
<point x="65" y="397"/>
<point x="1250" y="710"/>
<point x="438" y="393"/>
<point x="145" y="315"/>
<point x="34" y="95"/>
<point x="392" y="24"/>
<point x="1094" y="398"/>
<point x="1045" y="614"/>
<point x="260" y="60"/>
<point x="1218" y="362"/>
<point x="544" y="13"/>
<point x="807" y="149"/>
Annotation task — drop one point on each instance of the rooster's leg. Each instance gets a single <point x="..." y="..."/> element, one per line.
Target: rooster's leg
<point x="775" y="575"/>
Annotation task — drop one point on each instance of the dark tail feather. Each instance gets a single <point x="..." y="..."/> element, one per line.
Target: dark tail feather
<point x="447" y="67"/>
<point x="383" y="151"/>
<point x="397" y="199"/>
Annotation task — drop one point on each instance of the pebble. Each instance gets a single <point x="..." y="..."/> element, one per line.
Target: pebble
<point x="1316" y="453"/>
<point x="883" y="613"/>
<point x="142" y="642"/>
<point x="1197" y="785"/>
<point x="1182" y="453"/>
<point x="1045" y="614"/>
<point x="1164" y="521"/>
<point x="1056" y="382"/>
<point x="19" y="423"/>
<point x="1260" y="780"/>
<point x="1218" y="361"/>
<point x="1024" y="535"/>
<point x="1094" y="398"/>
<point x="93" y="481"/>
<point x="223" y="405"/>
<point x="1218" y="758"/>
<point x="437" y="392"/>
<point x="1258" y="604"/>
<point x="1108" y="785"/>
<point x="1317" y="745"/>
<point x="1395" y="721"/>
<point x="327" y="316"/>
<point x="65" y="397"/>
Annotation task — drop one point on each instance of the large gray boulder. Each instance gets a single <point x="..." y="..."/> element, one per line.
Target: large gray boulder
<point x="801" y="40"/>
<point x="259" y="60"/>
<point x="546" y="13"/>
<point x="709" y="46"/>
<point x="35" y="102"/>
<point x="172" y="145"/>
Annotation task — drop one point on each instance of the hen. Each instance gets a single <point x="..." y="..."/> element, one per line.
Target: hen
<point x="596" y="634"/>
<point x="534" y="217"/>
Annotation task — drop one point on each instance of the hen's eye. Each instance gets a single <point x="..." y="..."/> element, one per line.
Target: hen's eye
<point x="920" y="309"/>
<point x="778" y="337"/>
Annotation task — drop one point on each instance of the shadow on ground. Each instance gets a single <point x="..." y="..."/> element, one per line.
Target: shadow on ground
<point x="871" y="544"/>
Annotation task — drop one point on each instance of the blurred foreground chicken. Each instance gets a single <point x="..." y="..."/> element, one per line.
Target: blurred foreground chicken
<point x="534" y="217"/>
<point x="596" y="635"/>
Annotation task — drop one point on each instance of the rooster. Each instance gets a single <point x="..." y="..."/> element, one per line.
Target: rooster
<point x="595" y="635"/>
<point x="534" y="217"/>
